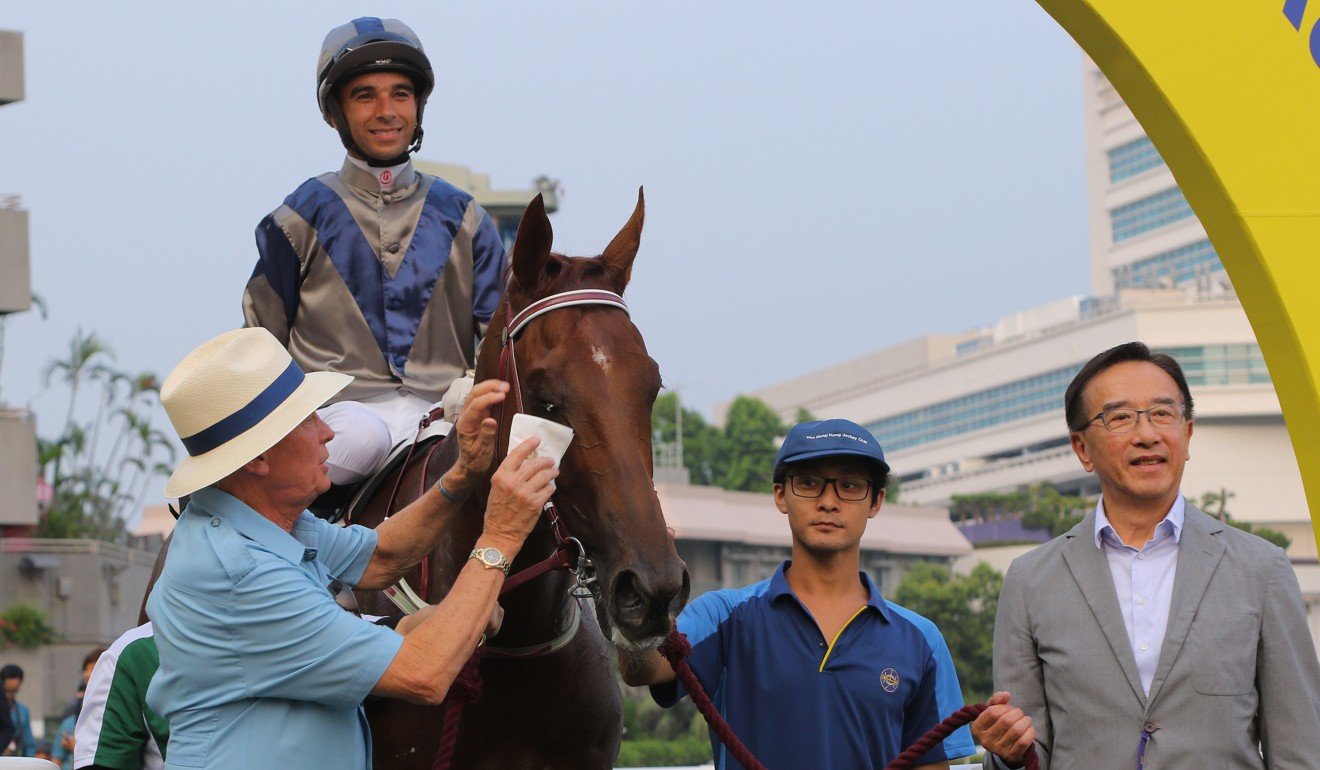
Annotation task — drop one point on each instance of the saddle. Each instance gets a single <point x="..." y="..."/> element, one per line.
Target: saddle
<point x="343" y="504"/>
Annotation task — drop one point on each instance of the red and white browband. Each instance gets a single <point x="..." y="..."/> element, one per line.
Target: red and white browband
<point x="540" y="307"/>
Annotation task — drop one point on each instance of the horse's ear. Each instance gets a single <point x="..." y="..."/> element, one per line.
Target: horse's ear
<point x="621" y="252"/>
<point x="531" y="247"/>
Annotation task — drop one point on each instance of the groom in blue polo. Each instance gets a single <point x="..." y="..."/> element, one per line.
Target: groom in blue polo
<point x="813" y="668"/>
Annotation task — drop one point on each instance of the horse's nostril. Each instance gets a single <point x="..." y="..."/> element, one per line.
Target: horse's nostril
<point x="629" y="598"/>
<point x="679" y="600"/>
<point x="628" y="595"/>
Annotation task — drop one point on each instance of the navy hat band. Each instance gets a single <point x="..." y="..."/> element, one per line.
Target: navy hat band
<point x="254" y="412"/>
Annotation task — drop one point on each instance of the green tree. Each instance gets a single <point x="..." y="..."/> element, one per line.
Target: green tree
<point x="85" y="358"/>
<point x="100" y="470"/>
<point x="1039" y="506"/>
<point x="893" y="488"/>
<point x="699" y="437"/>
<point x="655" y="736"/>
<point x="25" y="626"/>
<point x="1216" y="504"/>
<point x="963" y="607"/>
<point x="1049" y="509"/>
<point x="746" y="456"/>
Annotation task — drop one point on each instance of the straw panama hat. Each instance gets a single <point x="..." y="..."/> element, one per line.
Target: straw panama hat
<point x="233" y="398"/>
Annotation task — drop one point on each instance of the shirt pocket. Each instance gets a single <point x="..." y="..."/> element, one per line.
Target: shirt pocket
<point x="1225" y="655"/>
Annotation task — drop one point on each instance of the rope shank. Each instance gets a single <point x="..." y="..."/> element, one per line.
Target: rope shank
<point x="939" y="732"/>
<point x="465" y="689"/>
<point x="676" y="649"/>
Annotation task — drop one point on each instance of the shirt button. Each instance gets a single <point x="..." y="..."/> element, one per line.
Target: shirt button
<point x="215" y="522"/>
<point x="820" y="645"/>
<point x="394" y="248"/>
<point x="1143" y="647"/>
<point x="1141" y="600"/>
<point x="1150" y="727"/>
<point x="1141" y="556"/>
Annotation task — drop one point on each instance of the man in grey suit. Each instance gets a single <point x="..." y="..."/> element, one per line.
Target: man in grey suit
<point x="1151" y="635"/>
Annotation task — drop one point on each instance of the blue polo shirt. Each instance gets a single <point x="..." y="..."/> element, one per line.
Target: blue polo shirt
<point x="259" y="668"/>
<point x="799" y="700"/>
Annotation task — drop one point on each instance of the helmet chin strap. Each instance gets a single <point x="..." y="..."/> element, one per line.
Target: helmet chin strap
<point x="346" y="137"/>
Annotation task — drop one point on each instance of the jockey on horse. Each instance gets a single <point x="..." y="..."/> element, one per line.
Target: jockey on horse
<point x="376" y="270"/>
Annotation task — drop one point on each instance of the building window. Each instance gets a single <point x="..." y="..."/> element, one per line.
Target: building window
<point x="508" y="228"/>
<point x="1242" y="364"/>
<point x="983" y="409"/>
<point x="746" y="564"/>
<point x="1149" y="213"/>
<point x="1128" y="160"/>
<point x="1172" y="268"/>
<point x="1043" y="393"/>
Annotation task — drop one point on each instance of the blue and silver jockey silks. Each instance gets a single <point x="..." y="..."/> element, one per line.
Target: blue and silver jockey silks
<point x="392" y="287"/>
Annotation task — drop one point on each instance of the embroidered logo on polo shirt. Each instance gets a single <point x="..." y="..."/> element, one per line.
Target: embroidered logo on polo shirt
<point x="889" y="680"/>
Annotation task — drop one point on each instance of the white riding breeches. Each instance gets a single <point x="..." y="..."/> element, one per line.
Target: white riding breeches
<point x="365" y="431"/>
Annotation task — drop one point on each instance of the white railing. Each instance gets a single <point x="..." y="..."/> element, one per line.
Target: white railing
<point x="992" y="467"/>
<point x="50" y="545"/>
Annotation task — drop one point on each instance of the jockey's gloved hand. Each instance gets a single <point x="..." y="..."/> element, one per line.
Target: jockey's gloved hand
<point x="456" y="397"/>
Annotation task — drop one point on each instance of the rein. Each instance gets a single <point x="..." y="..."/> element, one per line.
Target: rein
<point x="569" y="553"/>
<point x="676" y="649"/>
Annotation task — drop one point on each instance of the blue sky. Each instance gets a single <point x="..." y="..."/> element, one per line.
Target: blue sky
<point x="821" y="180"/>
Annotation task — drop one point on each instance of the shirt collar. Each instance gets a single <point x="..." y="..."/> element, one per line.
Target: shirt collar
<point x="1171" y="523"/>
<point x="356" y="173"/>
<point x="250" y="524"/>
<point x="779" y="587"/>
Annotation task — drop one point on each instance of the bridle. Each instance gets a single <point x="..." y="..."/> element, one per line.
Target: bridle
<point x="569" y="553"/>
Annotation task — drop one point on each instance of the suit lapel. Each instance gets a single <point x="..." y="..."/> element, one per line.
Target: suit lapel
<point x="1091" y="571"/>
<point x="1199" y="553"/>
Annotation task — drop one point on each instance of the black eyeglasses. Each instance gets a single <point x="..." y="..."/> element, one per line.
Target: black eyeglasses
<point x="851" y="488"/>
<point x="1125" y="420"/>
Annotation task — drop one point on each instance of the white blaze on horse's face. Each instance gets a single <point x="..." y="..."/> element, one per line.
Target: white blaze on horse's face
<point x="601" y="358"/>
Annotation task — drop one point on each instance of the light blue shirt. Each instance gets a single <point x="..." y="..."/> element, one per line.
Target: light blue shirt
<point x="259" y="668"/>
<point x="1143" y="579"/>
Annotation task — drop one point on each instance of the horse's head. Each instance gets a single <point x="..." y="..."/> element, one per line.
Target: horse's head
<point x="587" y="367"/>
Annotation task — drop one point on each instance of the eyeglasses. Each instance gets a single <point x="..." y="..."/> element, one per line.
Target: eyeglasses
<point x="1125" y="420"/>
<point x="847" y="488"/>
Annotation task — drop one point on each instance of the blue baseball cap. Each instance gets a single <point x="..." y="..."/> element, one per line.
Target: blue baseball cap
<point x="829" y="438"/>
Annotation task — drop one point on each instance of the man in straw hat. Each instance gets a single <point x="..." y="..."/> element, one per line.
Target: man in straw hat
<point x="258" y="665"/>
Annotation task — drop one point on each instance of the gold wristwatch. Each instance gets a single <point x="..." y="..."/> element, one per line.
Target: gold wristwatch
<point x="491" y="558"/>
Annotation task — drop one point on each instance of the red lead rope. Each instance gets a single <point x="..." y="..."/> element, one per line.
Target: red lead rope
<point x="939" y="732"/>
<point x="676" y="649"/>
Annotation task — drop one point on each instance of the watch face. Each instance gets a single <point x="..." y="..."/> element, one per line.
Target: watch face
<point x="491" y="556"/>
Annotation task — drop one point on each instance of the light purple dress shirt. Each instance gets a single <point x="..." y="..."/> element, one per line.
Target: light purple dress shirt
<point x="1143" y="579"/>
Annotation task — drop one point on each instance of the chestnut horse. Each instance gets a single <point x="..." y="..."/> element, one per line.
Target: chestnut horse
<point x="585" y="366"/>
<point x="549" y="698"/>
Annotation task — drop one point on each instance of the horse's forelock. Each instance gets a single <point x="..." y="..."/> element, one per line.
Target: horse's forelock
<point x="560" y="273"/>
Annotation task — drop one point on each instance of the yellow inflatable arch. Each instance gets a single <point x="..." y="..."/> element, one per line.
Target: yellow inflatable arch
<point x="1229" y="92"/>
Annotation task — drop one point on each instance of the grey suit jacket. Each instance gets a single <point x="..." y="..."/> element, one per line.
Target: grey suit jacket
<point x="1237" y="666"/>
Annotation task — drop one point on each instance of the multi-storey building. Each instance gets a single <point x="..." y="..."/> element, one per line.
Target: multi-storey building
<point x="983" y="411"/>
<point x="18" y="456"/>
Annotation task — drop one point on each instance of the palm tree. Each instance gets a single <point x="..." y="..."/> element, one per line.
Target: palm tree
<point x="111" y="379"/>
<point x="85" y="351"/>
